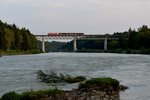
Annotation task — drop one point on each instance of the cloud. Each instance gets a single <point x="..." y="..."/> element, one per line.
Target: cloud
<point x="80" y="15"/>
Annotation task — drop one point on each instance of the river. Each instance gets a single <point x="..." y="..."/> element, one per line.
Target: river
<point x="18" y="72"/>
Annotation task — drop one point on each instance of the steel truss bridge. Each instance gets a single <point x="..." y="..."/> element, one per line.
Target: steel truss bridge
<point x="76" y="37"/>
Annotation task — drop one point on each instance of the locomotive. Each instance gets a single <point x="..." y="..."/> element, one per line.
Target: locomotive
<point x="64" y="34"/>
<point x="53" y="34"/>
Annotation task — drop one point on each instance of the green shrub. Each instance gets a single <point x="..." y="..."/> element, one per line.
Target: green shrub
<point x="32" y="95"/>
<point x="103" y="83"/>
<point x="11" y="96"/>
<point x="35" y="95"/>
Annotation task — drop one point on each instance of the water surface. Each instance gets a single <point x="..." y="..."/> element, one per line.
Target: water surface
<point x="18" y="73"/>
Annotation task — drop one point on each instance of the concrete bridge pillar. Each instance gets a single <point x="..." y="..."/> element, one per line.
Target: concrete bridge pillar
<point x="43" y="44"/>
<point x="75" y="44"/>
<point x="105" y="44"/>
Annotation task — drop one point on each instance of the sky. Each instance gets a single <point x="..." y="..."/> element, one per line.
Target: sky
<point x="87" y="16"/>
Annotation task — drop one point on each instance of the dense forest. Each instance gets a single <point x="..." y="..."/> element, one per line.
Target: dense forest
<point x="14" y="38"/>
<point x="131" y="41"/>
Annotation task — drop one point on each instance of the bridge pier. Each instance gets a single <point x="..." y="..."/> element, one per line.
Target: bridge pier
<point x="43" y="44"/>
<point x="105" y="44"/>
<point x="75" y="44"/>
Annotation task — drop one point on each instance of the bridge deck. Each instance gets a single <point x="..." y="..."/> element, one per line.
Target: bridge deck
<point x="81" y="37"/>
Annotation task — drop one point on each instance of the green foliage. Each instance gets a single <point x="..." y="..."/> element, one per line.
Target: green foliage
<point x="36" y="95"/>
<point x="31" y="95"/>
<point x="139" y="39"/>
<point x="13" y="38"/>
<point x="103" y="83"/>
<point x="10" y="96"/>
<point x="113" y="44"/>
<point x="16" y="52"/>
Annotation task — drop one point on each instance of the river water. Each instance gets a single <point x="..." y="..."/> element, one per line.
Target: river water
<point x="18" y="73"/>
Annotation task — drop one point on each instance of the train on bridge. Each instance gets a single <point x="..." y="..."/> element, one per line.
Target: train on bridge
<point x="64" y="34"/>
<point x="78" y="36"/>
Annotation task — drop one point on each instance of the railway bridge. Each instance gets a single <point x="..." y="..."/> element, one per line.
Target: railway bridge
<point x="75" y="37"/>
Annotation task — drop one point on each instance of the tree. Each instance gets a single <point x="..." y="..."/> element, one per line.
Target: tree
<point x="123" y="40"/>
<point x="133" y="39"/>
<point x="144" y="28"/>
<point x="8" y="40"/>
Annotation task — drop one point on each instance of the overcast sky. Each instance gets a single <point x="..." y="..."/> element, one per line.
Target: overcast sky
<point x="88" y="16"/>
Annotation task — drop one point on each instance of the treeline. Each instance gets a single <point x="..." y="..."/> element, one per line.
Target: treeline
<point x="14" y="38"/>
<point x="131" y="41"/>
<point x="134" y="39"/>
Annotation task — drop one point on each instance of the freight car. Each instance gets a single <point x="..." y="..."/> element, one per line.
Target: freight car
<point x="64" y="34"/>
<point x="71" y="34"/>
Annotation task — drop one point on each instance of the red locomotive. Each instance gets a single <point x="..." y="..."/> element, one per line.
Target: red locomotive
<point x="53" y="34"/>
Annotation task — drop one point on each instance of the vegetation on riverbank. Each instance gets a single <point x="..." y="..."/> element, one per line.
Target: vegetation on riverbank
<point x="33" y="95"/>
<point x="18" y="52"/>
<point x="14" y="40"/>
<point x="105" y="84"/>
<point x="101" y="88"/>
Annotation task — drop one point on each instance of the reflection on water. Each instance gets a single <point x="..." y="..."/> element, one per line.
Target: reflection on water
<point x="17" y="73"/>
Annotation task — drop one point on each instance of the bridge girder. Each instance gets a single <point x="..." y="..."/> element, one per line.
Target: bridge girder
<point x="75" y="38"/>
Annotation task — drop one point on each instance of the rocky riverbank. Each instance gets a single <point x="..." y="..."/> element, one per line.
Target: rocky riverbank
<point x="92" y="94"/>
<point x="94" y="89"/>
<point x="82" y="94"/>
